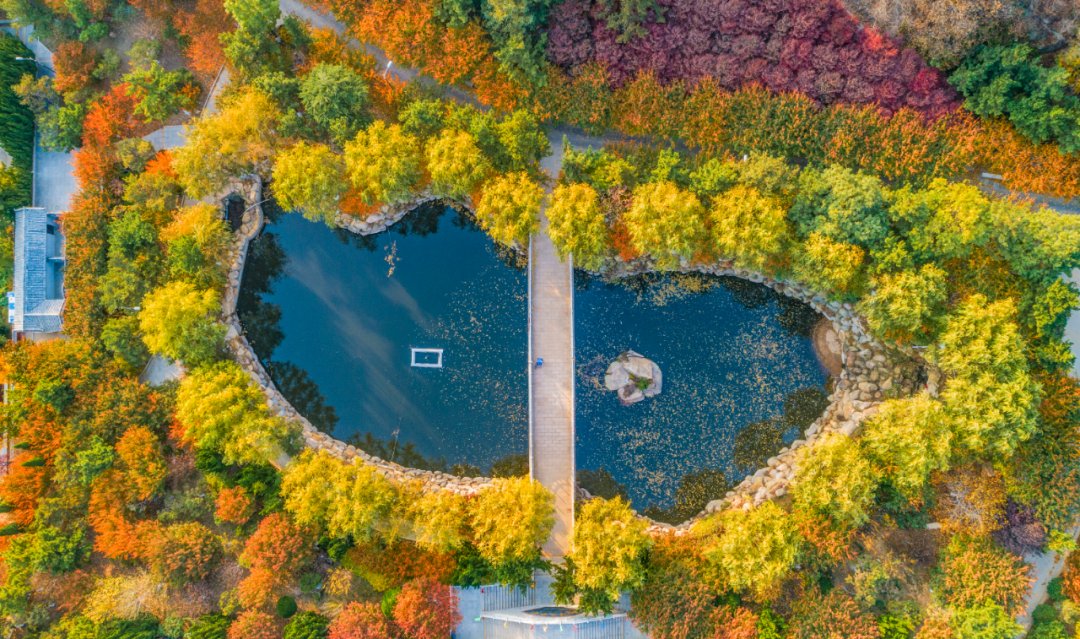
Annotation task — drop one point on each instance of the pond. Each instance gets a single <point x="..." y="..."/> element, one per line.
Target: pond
<point x="740" y="379"/>
<point x="334" y="316"/>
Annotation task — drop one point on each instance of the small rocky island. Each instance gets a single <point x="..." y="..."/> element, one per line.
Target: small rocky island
<point x="634" y="377"/>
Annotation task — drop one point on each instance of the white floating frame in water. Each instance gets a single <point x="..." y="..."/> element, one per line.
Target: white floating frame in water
<point x="426" y="351"/>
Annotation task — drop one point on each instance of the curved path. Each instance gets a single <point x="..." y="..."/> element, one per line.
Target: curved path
<point x="551" y="386"/>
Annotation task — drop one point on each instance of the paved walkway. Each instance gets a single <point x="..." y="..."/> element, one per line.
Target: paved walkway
<point x="54" y="182"/>
<point x="551" y="386"/>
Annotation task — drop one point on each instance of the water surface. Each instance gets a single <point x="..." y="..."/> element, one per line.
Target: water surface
<point x="739" y="378"/>
<point x="334" y="316"/>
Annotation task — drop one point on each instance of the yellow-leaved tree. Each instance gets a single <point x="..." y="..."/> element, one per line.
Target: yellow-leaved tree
<point x="383" y="163"/>
<point x="310" y="178"/>
<point x="455" y="163"/>
<point x="665" y="222"/>
<point x="610" y="546"/>
<point x="509" y="208"/>
<point x="511" y="520"/>
<point x="751" y="550"/>
<point x="241" y="138"/>
<point x="577" y="225"/>
<point x="179" y="321"/>
<point x="221" y="408"/>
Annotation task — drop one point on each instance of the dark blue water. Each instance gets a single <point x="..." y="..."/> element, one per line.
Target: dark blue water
<point x="333" y="316"/>
<point x="347" y="310"/>
<point x="739" y="377"/>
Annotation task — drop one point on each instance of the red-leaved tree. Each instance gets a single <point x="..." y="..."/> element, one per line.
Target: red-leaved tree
<point x="361" y="621"/>
<point x="426" y="609"/>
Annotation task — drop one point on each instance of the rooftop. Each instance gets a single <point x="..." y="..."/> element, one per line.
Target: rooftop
<point x="37" y="298"/>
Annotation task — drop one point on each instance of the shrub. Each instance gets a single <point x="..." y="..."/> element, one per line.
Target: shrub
<point x="307" y="625"/>
<point x="1021" y="532"/>
<point x="285" y="607"/>
<point x="826" y="55"/>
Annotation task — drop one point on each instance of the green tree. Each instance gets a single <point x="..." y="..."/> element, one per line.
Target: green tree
<point x="907" y="440"/>
<point x="523" y="141"/>
<point x="455" y="163"/>
<point x="944" y="221"/>
<point x="610" y="546"/>
<point x="310" y="178"/>
<point x="665" y="222"/>
<point x="517" y="28"/>
<point x="240" y="139"/>
<point x="750" y="228"/>
<point x="986" y="621"/>
<point x="307" y="625"/>
<point x="1008" y="80"/>
<point x="383" y="163"/>
<point x="509" y="208"/>
<point x="577" y="225"/>
<point x="626" y="17"/>
<point x="908" y="306"/>
<point x="751" y="550"/>
<point x="511" y="519"/>
<point x="180" y="322"/>
<point x="843" y="205"/>
<point x="160" y="93"/>
<point x="422" y="118"/>
<point x="337" y="99"/>
<point x="221" y="409"/>
<point x="989" y="394"/>
<point x="254" y="16"/>
<point x="834" y="479"/>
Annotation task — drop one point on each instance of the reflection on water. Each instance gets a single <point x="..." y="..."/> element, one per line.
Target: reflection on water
<point x="740" y="378"/>
<point x="333" y="316"/>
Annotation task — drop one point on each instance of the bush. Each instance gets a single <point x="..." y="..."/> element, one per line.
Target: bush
<point x="209" y="627"/>
<point x="285" y="607"/>
<point x="1055" y="590"/>
<point x="307" y="625"/>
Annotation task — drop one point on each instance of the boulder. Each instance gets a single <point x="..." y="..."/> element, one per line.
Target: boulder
<point x="633" y="377"/>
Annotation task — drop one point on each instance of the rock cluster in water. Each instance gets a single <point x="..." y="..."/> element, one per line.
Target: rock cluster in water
<point x="634" y="377"/>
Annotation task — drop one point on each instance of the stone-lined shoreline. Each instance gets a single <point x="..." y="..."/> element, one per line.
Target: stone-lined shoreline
<point x="871" y="373"/>
<point x="250" y="188"/>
